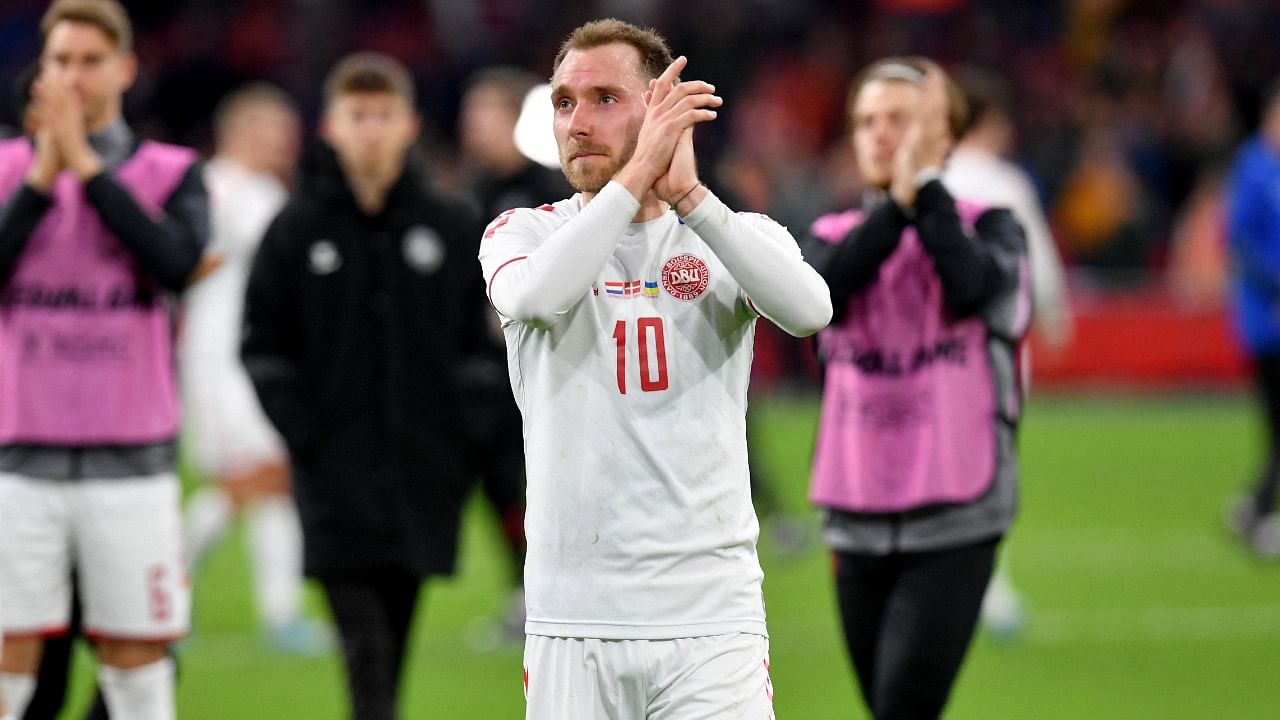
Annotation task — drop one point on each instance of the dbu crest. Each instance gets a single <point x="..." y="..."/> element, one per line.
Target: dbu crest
<point x="685" y="277"/>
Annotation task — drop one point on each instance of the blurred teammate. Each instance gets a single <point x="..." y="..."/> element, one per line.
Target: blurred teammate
<point x="914" y="462"/>
<point x="354" y="314"/>
<point x="629" y="314"/>
<point x="502" y="178"/>
<point x="97" y="229"/>
<point x="230" y="440"/>
<point x="978" y="170"/>
<point x="1254" y="218"/>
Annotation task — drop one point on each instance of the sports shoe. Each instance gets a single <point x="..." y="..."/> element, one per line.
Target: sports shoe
<point x="1260" y="532"/>
<point x="1003" y="614"/>
<point x="786" y="537"/>
<point x="490" y="634"/>
<point x="303" y="637"/>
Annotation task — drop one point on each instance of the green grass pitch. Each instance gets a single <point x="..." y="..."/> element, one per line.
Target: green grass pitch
<point x="1140" y="606"/>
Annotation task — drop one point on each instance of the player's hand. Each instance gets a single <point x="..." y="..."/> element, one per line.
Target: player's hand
<point x="65" y="119"/>
<point x="926" y="142"/>
<point x="672" y="107"/>
<point x="48" y="160"/>
<point x="681" y="177"/>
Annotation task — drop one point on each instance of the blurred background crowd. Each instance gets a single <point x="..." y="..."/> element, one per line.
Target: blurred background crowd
<point x="1128" y="110"/>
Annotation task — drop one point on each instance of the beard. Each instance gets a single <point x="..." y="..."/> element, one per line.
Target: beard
<point x="593" y="178"/>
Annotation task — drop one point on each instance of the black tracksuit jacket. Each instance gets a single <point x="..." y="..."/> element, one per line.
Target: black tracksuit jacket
<point x="353" y="327"/>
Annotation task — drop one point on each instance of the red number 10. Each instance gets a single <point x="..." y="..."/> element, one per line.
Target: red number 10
<point x="645" y="327"/>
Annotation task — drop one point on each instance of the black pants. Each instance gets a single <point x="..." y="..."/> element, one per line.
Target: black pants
<point x="908" y="619"/>
<point x="373" y="612"/>
<point x="1267" y="372"/>
<point x="495" y="452"/>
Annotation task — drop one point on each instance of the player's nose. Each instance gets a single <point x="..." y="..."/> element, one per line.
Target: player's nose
<point x="580" y="120"/>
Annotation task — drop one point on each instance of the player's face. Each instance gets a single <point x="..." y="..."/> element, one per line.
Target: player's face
<point x="371" y="132"/>
<point x="487" y="123"/>
<point x="82" y="57"/>
<point x="599" y="101"/>
<point x="277" y="137"/>
<point x="881" y="114"/>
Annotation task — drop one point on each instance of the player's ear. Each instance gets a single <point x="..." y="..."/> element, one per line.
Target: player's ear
<point x="648" y="94"/>
<point x="128" y="71"/>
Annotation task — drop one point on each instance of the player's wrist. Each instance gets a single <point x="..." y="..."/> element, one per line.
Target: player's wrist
<point x="40" y="177"/>
<point x="85" y="165"/>
<point x="689" y="200"/>
<point x="636" y="179"/>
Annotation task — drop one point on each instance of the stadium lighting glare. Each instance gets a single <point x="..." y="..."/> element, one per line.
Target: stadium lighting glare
<point x="534" y="134"/>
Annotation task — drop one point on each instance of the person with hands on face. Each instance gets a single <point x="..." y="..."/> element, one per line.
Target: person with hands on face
<point x="914" y="463"/>
<point x="629" y="313"/>
<point x="97" y="231"/>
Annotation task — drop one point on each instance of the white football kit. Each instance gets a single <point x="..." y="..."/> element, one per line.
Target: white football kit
<point x="629" y="347"/>
<point x="226" y="429"/>
<point x="124" y="538"/>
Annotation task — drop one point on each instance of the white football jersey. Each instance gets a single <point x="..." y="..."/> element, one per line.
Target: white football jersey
<point x="639" y="523"/>
<point x="225" y="428"/>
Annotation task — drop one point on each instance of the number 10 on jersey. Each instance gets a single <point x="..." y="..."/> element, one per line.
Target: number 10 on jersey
<point x="652" y="346"/>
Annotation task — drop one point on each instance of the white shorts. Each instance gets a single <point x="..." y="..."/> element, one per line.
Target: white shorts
<point x="719" y="676"/>
<point x="123" y="537"/>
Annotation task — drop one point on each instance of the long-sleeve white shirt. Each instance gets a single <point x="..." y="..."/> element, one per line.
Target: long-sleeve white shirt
<point x="629" y="347"/>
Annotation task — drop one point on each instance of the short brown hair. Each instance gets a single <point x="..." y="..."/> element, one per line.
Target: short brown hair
<point x="109" y="16"/>
<point x="368" y="72"/>
<point x="912" y="69"/>
<point x="655" y="55"/>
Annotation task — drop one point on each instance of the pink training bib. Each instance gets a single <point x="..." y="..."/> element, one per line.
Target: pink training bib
<point x="86" y="354"/>
<point x="909" y="406"/>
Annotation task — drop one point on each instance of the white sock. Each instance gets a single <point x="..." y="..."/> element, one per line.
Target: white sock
<point x="141" y="693"/>
<point x="208" y="516"/>
<point x="17" y="692"/>
<point x="275" y="548"/>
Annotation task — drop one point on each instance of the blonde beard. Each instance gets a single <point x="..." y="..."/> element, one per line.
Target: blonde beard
<point x="594" y="182"/>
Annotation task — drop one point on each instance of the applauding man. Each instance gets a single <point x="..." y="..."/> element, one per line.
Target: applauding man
<point x="97" y="231"/>
<point x="629" y="311"/>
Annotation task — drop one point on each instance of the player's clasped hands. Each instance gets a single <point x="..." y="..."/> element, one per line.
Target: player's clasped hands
<point x="926" y="142"/>
<point x="665" y="143"/>
<point x="61" y="140"/>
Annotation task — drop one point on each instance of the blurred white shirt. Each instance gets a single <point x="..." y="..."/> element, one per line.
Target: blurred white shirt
<point x="225" y="427"/>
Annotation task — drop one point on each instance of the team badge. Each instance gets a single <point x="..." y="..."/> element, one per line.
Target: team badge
<point x="324" y="257"/>
<point x="423" y="250"/>
<point x="685" y="277"/>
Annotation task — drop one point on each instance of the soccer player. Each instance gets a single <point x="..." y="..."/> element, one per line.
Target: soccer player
<point x="1253" y="208"/>
<point x="502" y="177"/>
<point x="914" y="463"/>
<point x="230" y="439"/>
<point x="97" y="230"/>
<point x="359" y="298"/>
<point x="979" y="171"/>
<point x="629" y="312"/>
